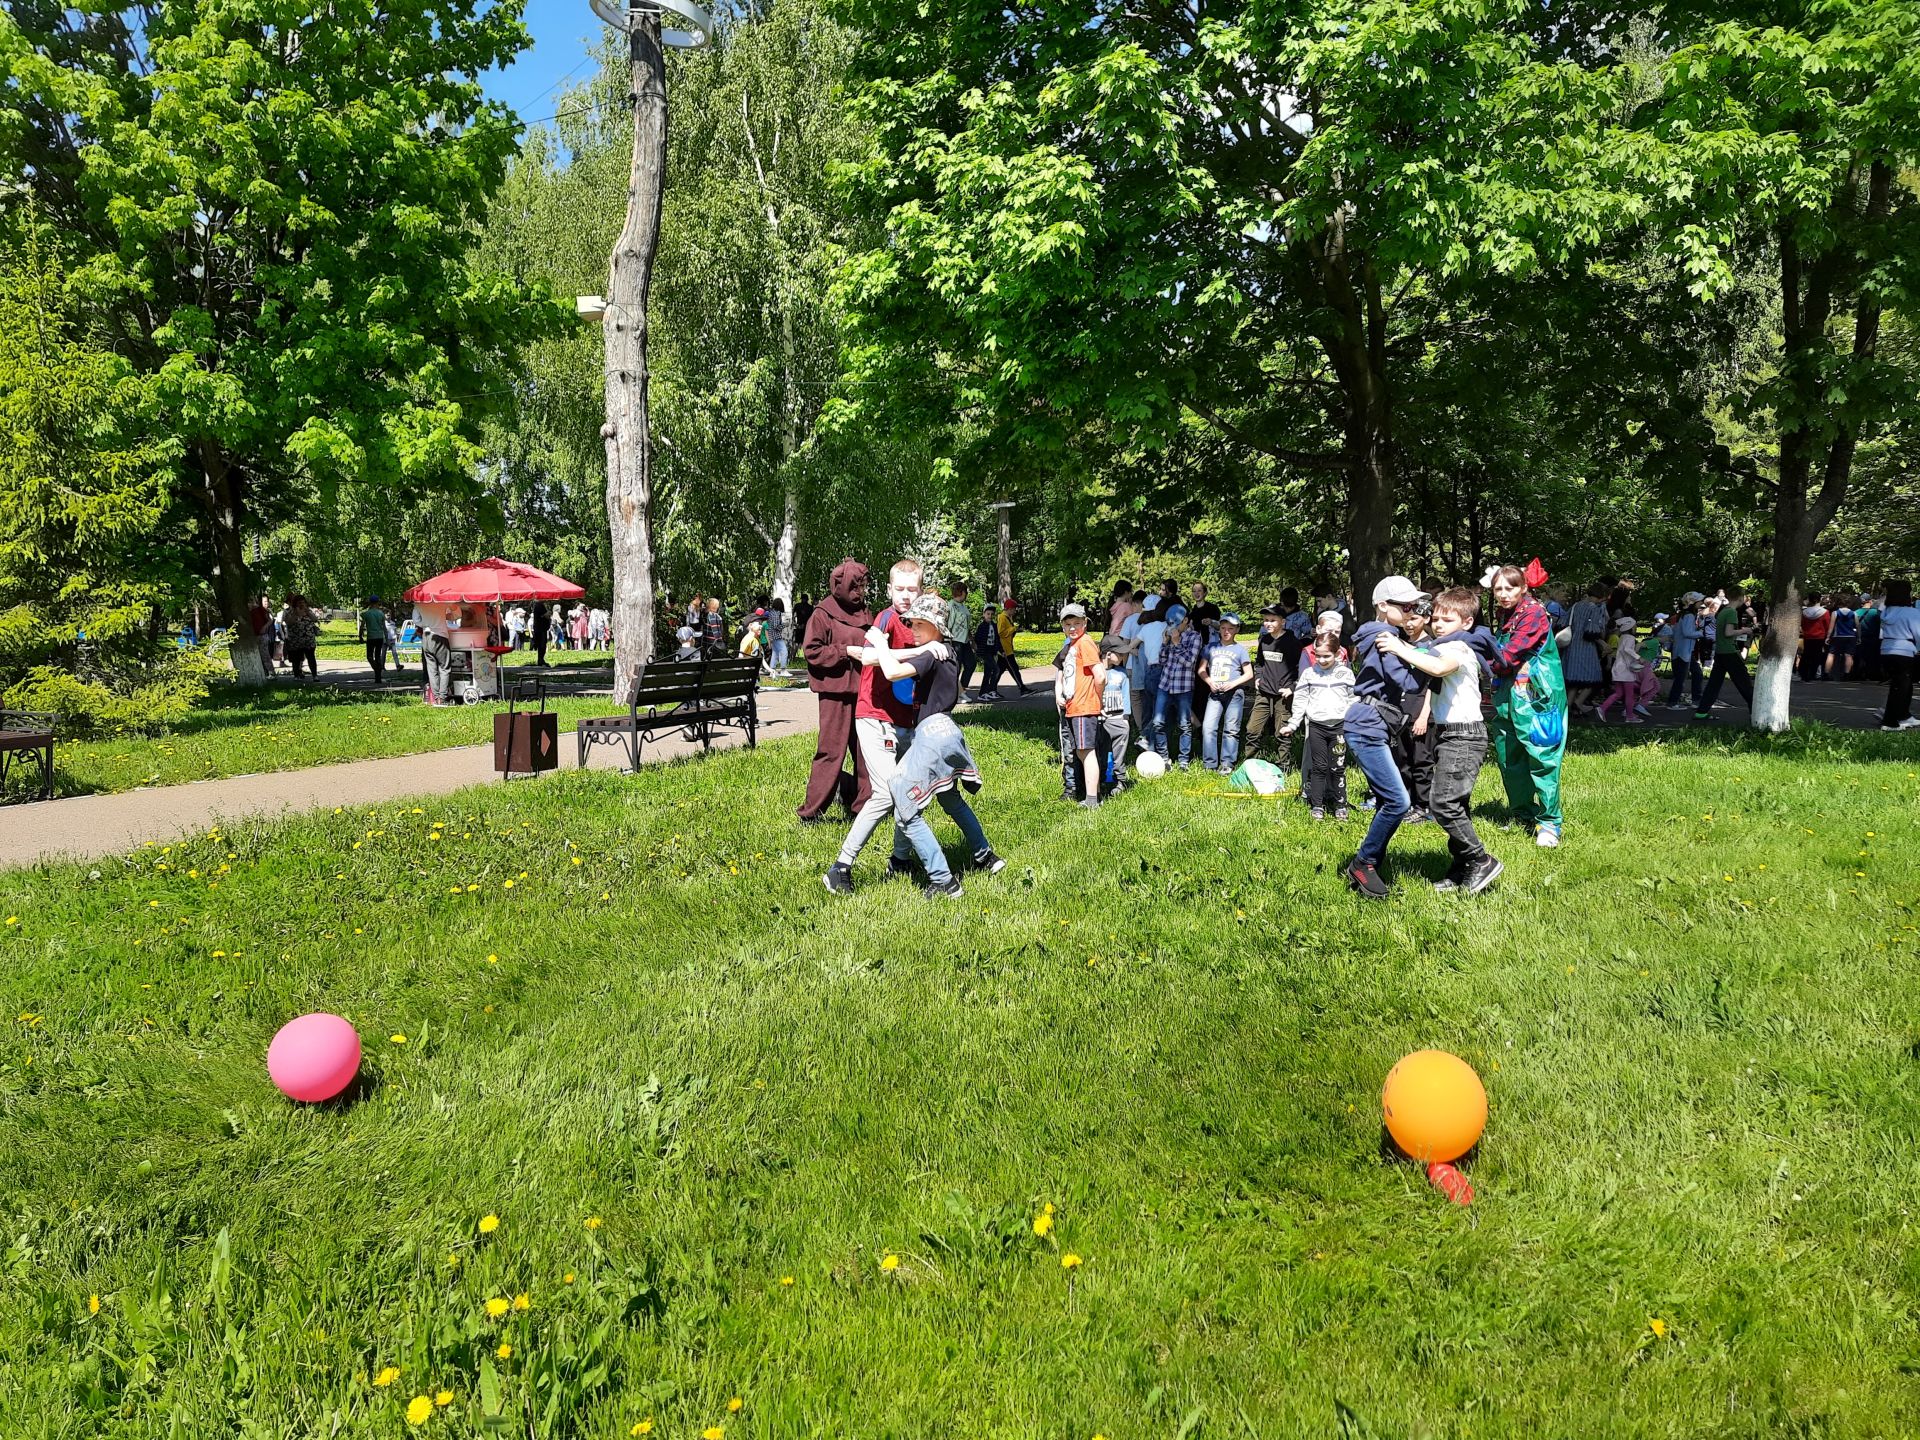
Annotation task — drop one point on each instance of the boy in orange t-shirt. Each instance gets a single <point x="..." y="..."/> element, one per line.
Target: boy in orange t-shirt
<point x="1077" y="692"/>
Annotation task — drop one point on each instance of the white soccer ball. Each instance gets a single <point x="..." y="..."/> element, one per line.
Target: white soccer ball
<point x="1149" y="766"/>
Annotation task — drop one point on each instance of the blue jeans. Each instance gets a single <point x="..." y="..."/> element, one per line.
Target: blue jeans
<point x="1217" y="747"/>
<point x="920" y="834"/>
<point x="1373" y="753"/>
<point x="779" y="654"/>
<point x="1684" y="672"/>
<point x="1164" y="707"/>
<point x="1146" y="697"/>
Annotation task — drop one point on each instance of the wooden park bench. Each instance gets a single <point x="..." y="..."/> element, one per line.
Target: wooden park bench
<point x="693" y="696"/>
<point x="27" y="737"/>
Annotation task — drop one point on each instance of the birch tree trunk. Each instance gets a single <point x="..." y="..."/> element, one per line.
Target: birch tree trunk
<point x="226" y="506"/>
<point x="786" y="550"/>
<point x="629" y="445"/>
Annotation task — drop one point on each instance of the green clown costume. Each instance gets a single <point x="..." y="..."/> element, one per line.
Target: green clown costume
<point x="1530" y="713"/>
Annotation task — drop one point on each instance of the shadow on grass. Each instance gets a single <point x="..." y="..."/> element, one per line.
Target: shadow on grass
<point x="1812" y="740"/>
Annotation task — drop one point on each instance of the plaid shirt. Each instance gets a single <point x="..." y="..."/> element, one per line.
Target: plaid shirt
<point x="1178" y="663"/>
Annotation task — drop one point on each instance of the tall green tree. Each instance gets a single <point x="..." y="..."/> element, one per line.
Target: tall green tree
<point x="1262" y="216"/>
<point x="1788" y="134"/>
<point x="273" y="202"/>
<point x="84" y="561"/>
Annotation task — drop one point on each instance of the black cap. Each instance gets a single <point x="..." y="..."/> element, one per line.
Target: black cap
<point x="1268" y="612"/>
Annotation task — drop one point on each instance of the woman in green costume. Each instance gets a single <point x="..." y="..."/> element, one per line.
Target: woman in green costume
<point x="1530" y="701"/>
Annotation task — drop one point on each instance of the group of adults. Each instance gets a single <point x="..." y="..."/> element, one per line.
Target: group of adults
<point x="1708" y="638"/>
<point x="544" y="626"/>
<point x="287" y="636"/>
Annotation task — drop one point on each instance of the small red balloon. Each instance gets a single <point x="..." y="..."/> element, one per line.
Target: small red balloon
<point x="1450" y="1182"/>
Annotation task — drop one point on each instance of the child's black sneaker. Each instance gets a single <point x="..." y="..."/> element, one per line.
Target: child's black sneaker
<point x="1416" y="817"/>
<point x="1092" y="802"/>
<point x="839" y="879"/>
<point x="1339" y="812"/>
<point x="986" y="860"/>
<point x="1318" y="813"/>
<point x="898" y="869"/>
<point x="1455" y="877"/>
<point x="947" y="889"/>
<point x="1364" y="879"/>
<point x="1482" y="873"/>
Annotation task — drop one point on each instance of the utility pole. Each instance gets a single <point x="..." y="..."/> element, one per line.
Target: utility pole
<point x="624" y="319"/>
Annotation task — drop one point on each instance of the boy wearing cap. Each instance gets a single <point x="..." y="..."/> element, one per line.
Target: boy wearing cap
<point x="937" y="762"/>
<point x="1179" y="667"/>
<point x="1228" y="673"/>
<point x="1383" y="686"/>
<point x="1078" y="693"/>
<point x="1460" y="734"/>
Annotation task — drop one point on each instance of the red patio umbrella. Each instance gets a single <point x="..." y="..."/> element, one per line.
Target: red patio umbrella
<point x="490" y="581"/>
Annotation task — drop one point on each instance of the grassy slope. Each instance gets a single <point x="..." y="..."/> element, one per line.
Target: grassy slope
<point x="1696" y="1025"/>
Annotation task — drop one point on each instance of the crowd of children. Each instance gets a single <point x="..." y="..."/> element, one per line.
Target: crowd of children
<point x="1416" y="696"/>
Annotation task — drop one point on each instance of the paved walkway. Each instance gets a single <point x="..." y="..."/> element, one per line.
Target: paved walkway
<point x="85" y="827"/>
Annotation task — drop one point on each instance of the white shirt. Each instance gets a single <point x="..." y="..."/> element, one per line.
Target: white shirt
<point x="1152" y="634"/>
<point x="1457" y="701"/>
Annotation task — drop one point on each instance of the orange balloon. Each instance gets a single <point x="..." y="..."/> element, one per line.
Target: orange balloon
<point x="1435" y="1106"/>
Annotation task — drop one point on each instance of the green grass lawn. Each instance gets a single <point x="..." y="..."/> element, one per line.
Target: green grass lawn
<point x="745" y="1140"/>
<point x="285" y="727"/>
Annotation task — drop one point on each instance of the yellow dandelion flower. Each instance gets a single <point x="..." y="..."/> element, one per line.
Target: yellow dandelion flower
<point x="714" y="1432"/>
<point x="578" y="861"/>
<point x="642" y="1427"/>
<point x="506" y="884"/>
<point x="521" y="1301"/>
<point x="93" y="1304"/>
<point x="418" y="1409"/>
<point x="397" y="1039"/>
<point x="13" y="919"/>
<point x="1043" y="1222"/>
<point x="472" y="888"/>
<point x="890" y="1263"/>
<point x="594" y="1222"/>
<point x="453" y="1261"/>
<point x="786" y="1280"/>
<point x="733" y="1405"/>
<point x="496" y="1307"/>
<point x="505" y="1352"/>
<point x="567" y="1279"/>
<point x="1069" y="1261"/>
<point x="489" y="1224"/>
<point x="443" y="1398"/>
<point x="387" y="1376"/>
<point x="1658" y="1327"/>
<point x="493" y="959"/>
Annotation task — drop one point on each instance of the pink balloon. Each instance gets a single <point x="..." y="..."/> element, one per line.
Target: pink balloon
<point x="314" y="1057"/>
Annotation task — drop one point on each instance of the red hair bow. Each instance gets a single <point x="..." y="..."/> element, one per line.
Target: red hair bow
<point x="1535" y="574"/>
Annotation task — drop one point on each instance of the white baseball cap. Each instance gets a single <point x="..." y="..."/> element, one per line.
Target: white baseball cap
<point x="1395" y="590"/>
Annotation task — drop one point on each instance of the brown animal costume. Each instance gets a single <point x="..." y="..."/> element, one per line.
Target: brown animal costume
<point x="839" y="621"/>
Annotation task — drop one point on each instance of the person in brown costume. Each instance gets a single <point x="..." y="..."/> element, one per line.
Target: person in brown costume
<point x="838" y="621"/>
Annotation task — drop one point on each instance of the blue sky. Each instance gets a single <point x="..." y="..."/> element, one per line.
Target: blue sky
<point x="561" y="30"/>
